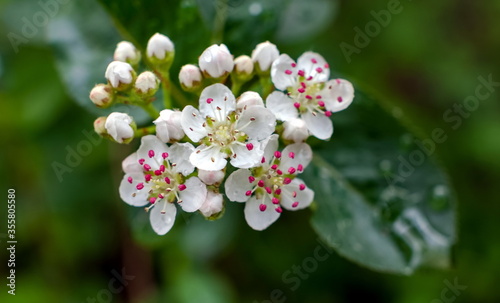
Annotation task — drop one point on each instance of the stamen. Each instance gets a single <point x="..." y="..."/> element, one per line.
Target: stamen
<point x="164" y="155"/>
<point x="152" y="200"/>
<point x="321" y="103"/>
<point x="279" y="210"/>
<point x="129" y="179"/>
<point x="294" y="64"/>
<point x="147" y="167"/>
<point x="328" y="113"/>
<point x="279" y="172"/>
<point x="291" y="155"/>
<point x="181" y="187"/>
<point x="151" y="153"/>
<point x="340" y="99"/>
<point x="287" y="181"/>
<point x="301" y="73"/>
<point x="251" y="179"/>
<point x="157" y="172"/>
<point x="275" y="200"/>
<point x="319" y="69"/>
<point x="269" y="190"/>
<point x="309" y="97"/>
<point x="141" y="161"/>
<point x="301" y="90"/>
<point x="300" y="167"/>
<point x="337" y="80"/>
<point x="140" y="186"/>
<point x="162" y="168"/>
<point x="291" y="170"/>
<point x="248" y="193"/>
<point x="260" y="183"/>
<point x="249" y="146"/>
<point x="167" y="180"/>
<point x="209" y="100"/>
<point x="277" y="191"/>
<point x="263" y="160"/>
<point x="147" y="177"/>
<point x="274" y="167"/>
<point x="302" y="186"/>
<point x="277" y="154"/>
<point x="303" y="84"/>
<point x="294" y="194"/>
<point x="318" y="97"/>
<point x="314" y="61"/>
<point x="295" y="204"/>
<point x="326" y="65"/>
<point x="297" y="105"/>
<point x="288" y="72"/>
<point x="262" y="207"/>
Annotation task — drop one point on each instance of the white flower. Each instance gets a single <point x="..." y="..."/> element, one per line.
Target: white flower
<point x="147" y="83"/>
<point x="119" y="74"/>
<point x="248" y="99"/>
<point x="243" y="66"/>
<point x="159" y="46"/>
<point x="264" y="55"/>
<point x="295" y="130"/>
<point x="168" y="126"/>
<point x="101" y="95"/>
<point x="99" y="127"/>
<point x="212" y="205"/>
<point x="211" y="177"/>
<point x="224" y="133"/>
<point x="310" y="96"/>
<point x="126" y="52"/>
<point x="190" y="77"/>
<point x="216" y="61"/>
<point x="120" y="127"/>
<point x="158" y="179"/>
<point x="273" y="185"/>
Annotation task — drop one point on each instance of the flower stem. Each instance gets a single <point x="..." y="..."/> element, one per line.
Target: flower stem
<point x="150" y="109"/>
<point x="236" y="87"/>
<point x="166" y="88"/>
<point x="267" y="86"/>
<point x="219" y="21"/>
<point x="145" y="131"/>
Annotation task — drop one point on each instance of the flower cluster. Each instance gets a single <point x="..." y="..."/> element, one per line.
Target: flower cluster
<point x="225" y="138"/>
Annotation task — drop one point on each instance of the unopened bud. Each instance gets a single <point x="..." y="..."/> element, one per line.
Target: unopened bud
<point x="216" y="61"/>
<point x="160" y="49"/>
<point x="295" y="130"/>
<point x="120" y="75"/>
<point x="243" y="68"/>
<point x="248" y="99"/>
<point x="120" y="127"/>
<point x="213" y="205"/>
<point x="168" y="126"/>
<point x="210" y="177"/>
<point x="102" y="95"/>
<point x="99" y="127"/>
<point x="146" y="84"/>
<point x="264" y="55"/>
<point x="190" y="77"/>
<point x="126" y="52"/>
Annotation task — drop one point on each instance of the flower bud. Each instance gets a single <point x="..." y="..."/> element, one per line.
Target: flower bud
<point x="248" y="99"/>
<point x="99" y="126"/>
<point x="190" y="77"/>
<point x="102" y="95"/>
<point x="243" y="68"/>
<point x="295" y="130"/>
<point x="160" y="49"/>
<point x="120" y="127"/>
<point x="146" y="84"/>
<point x="120" y="75"/>
<point x="126" y="52"/>
<point x="168" y="126"/>
<point x="210" y="177"/>
<point x="264" y="55"/>
<point x="212" y="206"/>
<point x="216" y="61"/>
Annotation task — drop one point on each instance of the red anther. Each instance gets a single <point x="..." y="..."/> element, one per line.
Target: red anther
<point x="152" y="200"/>
<point x="319" y="69"/>
<point x="151" y="153"/>
<point x="340" y="99"/>
<point x="275" y="200"/>
<point x="301" y="73"/>
<point x="301" y="90"/>
<point x="209" y="100"/>
<point x="278" y="191"/>
<point x="295" y="204"/>
<point x="129" y="179"/>
<point x="251" y="179"/>
<point x="291" y="170"/>
<point x="314" y="61"/>
<point x="309" y="97"/>
<point x="260" y="183"/>
<point x="302" y="186"/>
<point x="167" y="180"/>
<point x="278" y="210"/>
<point x="140" y="186"/>
<point x="297" y="105"/>
<point x="309" y="78"/>
<point x="326" y="65"/>
<point x="141" y="161"/>
<point x="288" y="72"/>
<point x="337" y="80"/>
<point x="164" y="155"/>
<point x="249" y="146"/>
<point x="300" y="167"/>
<point x="157" y="172"/>
<point x="147" y="167"/>
<point x="328" y="113"/>
<point x="248" y="193"/>
<point x="294" y="194"/>
<point x="147" y="177"/>
<point x="321" y="103"/>
<point x="263" y="160"/>
<point x="279" y="172"/>
<point x="162" y="168"/>
<point x="181" y="187"/>
<point x="269" y="190"/>
<point x="277" y="154"/>
<point x="303" y="84"/>
<point x="291" y="155"/>
<point x="318" y="96"/>
<point x="262" y="207"/>
<point x="274" y="167"/>
<point x="160" y="196"/>
<point x="287" y="181"/>
<point x="294" y="64"/>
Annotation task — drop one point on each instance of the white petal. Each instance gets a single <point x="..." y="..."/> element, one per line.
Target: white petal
<point x="162" y="222"/>
<point x="131" y="165"/>
<point x="302" y="154"/>
<point x="248" y="99"/>
<point x="281" y="106"/>
<point x="257" y="122"/>
<point x="304" y="197"/>
<point x="283" y="74"/>
<point x="209" y="158"/>
<point x="213" y="204"/>
<point x="338" y="95"/>
<point x="257" y="219"/>
<point x="221" y="100"/>
<point x="320" y="125"/>
<point x="194" y="195"/>
<point x="246" y="158"/>
<point x="211" y="177"/>
<point x="270" y="146"/>
<point x="179" y="155"/>
<point x="148" y="143"/>
<point x="192" y="123"/>
<point x="319" y="70"/>
<point x="168" y="125"/>
<point x="127" y="190"/>
<point x="237" y="184"/>
<point x="295" y="130"/>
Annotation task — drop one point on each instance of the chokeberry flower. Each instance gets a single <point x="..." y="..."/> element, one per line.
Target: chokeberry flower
<point x="224" y="132"/>
<point x="156" y="175"/>
<point x="120" y="127"/>
<point x="216" y="61"/>
<point x="264" y="55"/>
<point x="120" y="75"/>
<point x="168" y="126"/>
<point x="273" y="185"/>
<point x="126" y="52"/>
<point x="309" y="96"/>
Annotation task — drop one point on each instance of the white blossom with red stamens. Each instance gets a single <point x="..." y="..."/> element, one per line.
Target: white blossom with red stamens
<point x="224" y="132"/>
<point x="309" y="96"/>
<point x="269" y="188"/>
<point x="156" y="175"/>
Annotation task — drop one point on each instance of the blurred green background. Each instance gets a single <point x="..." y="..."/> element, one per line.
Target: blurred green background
<point x="74" y="233"/>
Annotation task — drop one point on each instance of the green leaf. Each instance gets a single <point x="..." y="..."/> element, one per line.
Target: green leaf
<point x="382" y="201"/>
